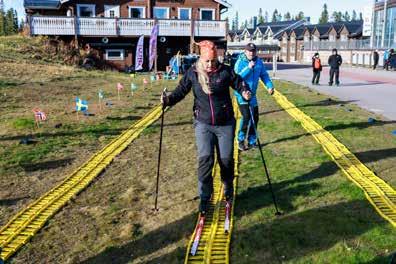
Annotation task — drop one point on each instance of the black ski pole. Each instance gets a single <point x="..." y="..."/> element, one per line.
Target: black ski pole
<point x="159" y="153"/>
<point x="263" y="160"/>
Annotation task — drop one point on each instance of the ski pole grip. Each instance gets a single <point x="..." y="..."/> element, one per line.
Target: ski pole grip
<point x="164" y="98"/>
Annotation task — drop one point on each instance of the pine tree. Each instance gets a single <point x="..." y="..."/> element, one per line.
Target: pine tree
<point x="337" y="16"/>
<point x="279" y="19"/>
<point x="244" y="24"/>
<point x="275" y="16"/>
<point x="266" y="17"/>
<point x="360" y="16"/>
<point x="324" y="17"/>
<point x="16" y="24"/>
<point x="300" y="15"/>
<point x="287" y="16"/>
<point x="260" y="16"/>
<point x="236" y="21"/>
<point x="11" y="22"/>
<point x="354" y="15"/>
<point x="2" y="18"/>
<point x="2" y="23"/>
<point x="346" y="17"/>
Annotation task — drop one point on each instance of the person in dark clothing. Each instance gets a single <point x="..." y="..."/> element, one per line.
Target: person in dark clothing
<point x="214" y="117"/>
<point x="335" y="62"/>
<point x="317" y="68"/>
<point x="386" y="59"/>
<point x="376" y="59"/>
<point x="392" y="59"/>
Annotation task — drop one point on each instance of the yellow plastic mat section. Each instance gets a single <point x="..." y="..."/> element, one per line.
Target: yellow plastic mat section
<point x="29" y="221"/>
<point x="214" y="246"/>
<point x="378" y="192"/>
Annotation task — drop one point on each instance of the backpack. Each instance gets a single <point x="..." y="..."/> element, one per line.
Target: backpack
<point x="317" y="64"/>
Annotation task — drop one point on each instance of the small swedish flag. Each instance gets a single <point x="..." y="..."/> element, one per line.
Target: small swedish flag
<point x="81" y="105"/>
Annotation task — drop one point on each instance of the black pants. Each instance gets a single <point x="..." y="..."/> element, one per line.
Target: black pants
<point x="316" y="77"/>
<point x="375" y="65"/>
<point x="208" y="139"/>
<point x="336" y="73"/>
<point x="243" y="133"/>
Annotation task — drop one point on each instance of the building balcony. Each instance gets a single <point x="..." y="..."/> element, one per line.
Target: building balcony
<point x="125" y="27"/>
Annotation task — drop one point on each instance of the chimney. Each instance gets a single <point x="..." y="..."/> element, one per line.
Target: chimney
<point x="254" y="22"/>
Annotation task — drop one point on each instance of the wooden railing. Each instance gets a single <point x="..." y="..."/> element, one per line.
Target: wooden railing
<point x="84" y="26"/>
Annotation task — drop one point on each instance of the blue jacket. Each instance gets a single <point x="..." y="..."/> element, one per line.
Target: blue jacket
<point x="251" y="77"/>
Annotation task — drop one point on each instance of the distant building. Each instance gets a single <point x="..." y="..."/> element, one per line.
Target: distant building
<point x="384" y="24"/>
<point x="289" y="39"/>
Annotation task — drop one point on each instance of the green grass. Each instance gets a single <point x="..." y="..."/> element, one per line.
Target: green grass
<point x="326" y="217"/>
<point x="31" y="49"/>
<point x="23" y="123"/>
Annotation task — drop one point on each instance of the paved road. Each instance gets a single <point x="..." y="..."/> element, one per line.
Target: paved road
<point x="371" y="90"/>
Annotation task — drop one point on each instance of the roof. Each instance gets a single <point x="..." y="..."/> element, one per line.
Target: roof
<point x="323" y="28"/>
<point x="224" y="3"/>
<point x="310" y="28"/>
<point x="354" y="27"/>
<point x="299" y="32"/>
<point x="280" y="23"/>
<point x="277" y="28"/>
<point x="262" y="29"/>
<point x="234" y="33"/>
<point x="42" y="4"/>
<point x="250" y="30"/>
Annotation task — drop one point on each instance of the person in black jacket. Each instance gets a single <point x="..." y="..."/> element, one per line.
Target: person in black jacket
<point x="335" y="62"/>
<point x="317" y="68"/>
<point x="214" y="117"/>
<point x="376" y="59"/>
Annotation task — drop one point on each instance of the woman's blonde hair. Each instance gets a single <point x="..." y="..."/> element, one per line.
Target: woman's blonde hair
<point x="203" y="77"/>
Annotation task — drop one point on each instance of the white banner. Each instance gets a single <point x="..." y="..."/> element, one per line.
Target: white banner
<point x="367" y="21"/>
<point x="139" y="54"/>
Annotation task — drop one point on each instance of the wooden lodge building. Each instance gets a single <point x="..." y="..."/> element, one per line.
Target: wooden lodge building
<point x="113" y="27"/>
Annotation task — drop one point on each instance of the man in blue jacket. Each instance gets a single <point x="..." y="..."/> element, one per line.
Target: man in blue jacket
<point x="251" y="69"/>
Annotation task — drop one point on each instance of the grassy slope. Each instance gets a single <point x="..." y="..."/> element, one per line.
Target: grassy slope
<point x="327" y="219"/>
<point x="27" y="171"/>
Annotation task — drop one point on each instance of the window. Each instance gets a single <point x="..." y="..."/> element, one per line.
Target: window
<point x="207" y="14"/>
<point x="331" y="38"/>
<point x="115" y="54"/>
<point x="112" y="11"/>
<point x="137" y="12"/>
<point x="161" y="12"/>
<point x="306" y="38"/>
<point x="344" y="37"/>
<point x="86" y="10"/>
<point x="185" y="13"/>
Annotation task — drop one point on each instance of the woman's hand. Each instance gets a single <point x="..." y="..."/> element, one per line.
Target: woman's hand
<point x="271" y="91"/>
<point x="247" y="95"/>
<point x="165" y="98"/>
